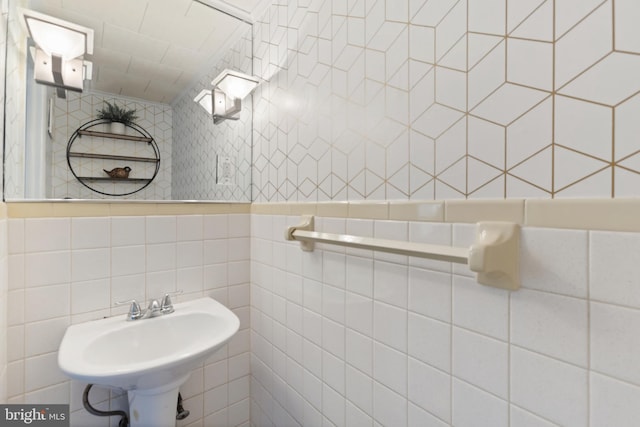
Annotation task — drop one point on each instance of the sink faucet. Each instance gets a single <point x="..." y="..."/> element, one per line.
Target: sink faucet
<point x="156" y="308"/>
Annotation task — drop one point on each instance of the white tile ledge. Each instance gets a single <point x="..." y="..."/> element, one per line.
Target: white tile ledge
<point x="583" y="214"/>
<point x="580" y="214"/>
<point x="90" y="208"/>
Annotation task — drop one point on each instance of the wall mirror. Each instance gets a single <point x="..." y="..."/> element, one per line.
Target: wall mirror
<point x="153" y="56"/>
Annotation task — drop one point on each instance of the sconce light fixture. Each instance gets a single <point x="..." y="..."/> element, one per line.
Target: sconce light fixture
<point x="205" y="101"/>
<point x="60" y="48"/>
<point x="229" y="88"/>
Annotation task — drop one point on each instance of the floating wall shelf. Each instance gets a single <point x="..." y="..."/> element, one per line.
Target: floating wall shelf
<point x="113" y="157"/>
<point x="92" y="131"/>
<point x="121" y="180"/>
<point x="82" y="132"/>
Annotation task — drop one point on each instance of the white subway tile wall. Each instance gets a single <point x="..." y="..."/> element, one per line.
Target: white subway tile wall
<point x="70" y="270"/>
<point x="6" y="375"/>
<point x="354" y="348"/>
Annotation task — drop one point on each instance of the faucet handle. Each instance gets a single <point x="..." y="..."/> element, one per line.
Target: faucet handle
<point x="135" y="312"/>
<point x="166" y="306"/>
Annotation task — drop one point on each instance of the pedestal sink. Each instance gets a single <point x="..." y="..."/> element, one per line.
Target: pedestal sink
<point x="149" y="358"/>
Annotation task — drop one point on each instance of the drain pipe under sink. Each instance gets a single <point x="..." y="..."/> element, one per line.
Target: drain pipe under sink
<point x="181" y="413"/>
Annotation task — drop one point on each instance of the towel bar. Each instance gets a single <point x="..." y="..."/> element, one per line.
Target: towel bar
<point x="494" y="256"/>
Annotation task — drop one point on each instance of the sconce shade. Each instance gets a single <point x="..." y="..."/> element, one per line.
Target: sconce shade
<point x="205" y="101"/>
<point x="229" y="88"/>
<point x="60" y="47"/>
<point x="58" y="37"/>
<point x="235" y="84"/>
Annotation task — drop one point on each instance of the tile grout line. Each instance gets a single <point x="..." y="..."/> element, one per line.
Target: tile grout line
<point x="451" y="320"/>
<point x="588" y="303"/>
<point x="509" y="378"/>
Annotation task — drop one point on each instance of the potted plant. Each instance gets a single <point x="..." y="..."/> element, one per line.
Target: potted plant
<point x="118" y="116"/>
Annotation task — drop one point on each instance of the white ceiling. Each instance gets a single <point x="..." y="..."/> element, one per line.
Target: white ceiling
<point x="151" y="49"/>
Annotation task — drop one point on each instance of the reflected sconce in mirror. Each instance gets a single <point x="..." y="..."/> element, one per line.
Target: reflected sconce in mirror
<point x="204" y="100"/>
<point x="60" y="48"/>
<point x="229" y="88"/>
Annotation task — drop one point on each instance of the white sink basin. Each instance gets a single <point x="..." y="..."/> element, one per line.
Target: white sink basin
<point x="144" y="353"/>
<point x="150" y="356"/>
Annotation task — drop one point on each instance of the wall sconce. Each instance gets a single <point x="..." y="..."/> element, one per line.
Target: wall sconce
<point x="60" y="47"/>
<point x="229" y="88"/>
<point x="205" y="101"/>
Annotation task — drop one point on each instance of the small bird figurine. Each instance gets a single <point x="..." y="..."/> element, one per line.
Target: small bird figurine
<point x="118" y="172"/>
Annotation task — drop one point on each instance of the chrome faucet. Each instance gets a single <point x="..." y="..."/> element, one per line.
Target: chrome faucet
<point x="135" y="312"/>
<point x="166" y="306"/>
<point x="155" y="308"/>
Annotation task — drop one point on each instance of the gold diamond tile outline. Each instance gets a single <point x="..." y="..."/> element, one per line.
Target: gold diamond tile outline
<point x="416" y="190"/>
<point x="502" y="172"/>
<point x="628" y="156"/>
<point x="444" y="55"/>
<point x="478" y="61"/>
<point x="583" y="179"/>
<point x="508" y="170"/>
<point x="498" y="168"/>
<point x="464" y="114"/>
<point x="550" y="193"/>
<point x="542" y="3"/>
<point x="504" y="186"/>
<point x="591" y="156"/>
<point x="436" y="179"/>
<point x="625" y="99"/>
<point x="555" y="38"/>
<point x="441" y="19"/>
<point x="550" y="94"/>
<point x="382" y="183"/>
<point x="608" y="164"/>
<point x="553" y="65"/>
<point x="456" y="161"/>
<point x="477" y="64"/>
<point x="286" y="183"/>
<point x="343" y="184"/>
<point x="351" y="186"/>
<point x="447" y="68"/>
<point x="405" y="191"/>
<point x="626" y="168"/>
<point x="509" y="173"/>
<point x="367" y="41"/>
<point x="580" y="74"/>
<point x="488" y="53"/>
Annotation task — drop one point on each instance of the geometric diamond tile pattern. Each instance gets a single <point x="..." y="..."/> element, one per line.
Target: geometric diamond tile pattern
<point x="446" y="99"/>
<point x="197" y="141"/>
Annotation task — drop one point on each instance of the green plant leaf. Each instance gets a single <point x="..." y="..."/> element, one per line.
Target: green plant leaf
<point x="115" y="113"/>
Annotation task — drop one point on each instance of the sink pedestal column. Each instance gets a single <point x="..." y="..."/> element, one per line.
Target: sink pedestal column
<point x="154" y="407"/>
